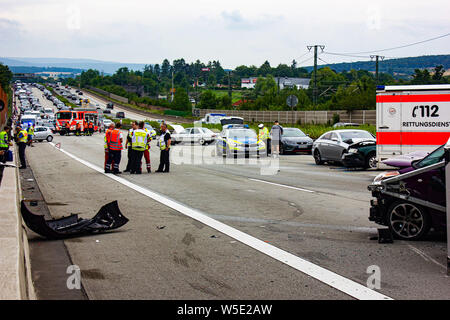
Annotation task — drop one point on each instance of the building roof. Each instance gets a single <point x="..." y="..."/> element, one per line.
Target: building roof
<point x="286" y="81"/>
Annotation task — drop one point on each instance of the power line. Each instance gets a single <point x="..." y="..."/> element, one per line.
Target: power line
<point x="303" y="55"/>
<point x="399" y="47"/>
<point x="344" y="55"/>
<point x="305" y="60"/>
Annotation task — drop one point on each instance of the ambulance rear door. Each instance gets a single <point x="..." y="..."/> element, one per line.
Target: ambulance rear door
<point x="389" y="117"/>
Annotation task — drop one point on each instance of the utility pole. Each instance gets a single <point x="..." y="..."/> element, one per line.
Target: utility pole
<point x="315" y="70"/>
<point x="229" y="85"/>
<point x="172" y="88"/>
<point x="377" y="57"/>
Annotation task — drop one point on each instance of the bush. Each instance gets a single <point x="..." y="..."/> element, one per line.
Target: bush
<point x="336" y="118"/>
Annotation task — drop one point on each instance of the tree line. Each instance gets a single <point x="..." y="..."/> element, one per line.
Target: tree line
<point x="346" y="90"/>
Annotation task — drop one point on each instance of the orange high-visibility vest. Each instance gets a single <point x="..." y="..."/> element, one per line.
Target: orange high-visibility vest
<point x="113" y="138"/>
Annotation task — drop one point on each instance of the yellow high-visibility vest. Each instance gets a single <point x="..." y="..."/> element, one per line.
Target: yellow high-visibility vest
<point x="139" y="140"/>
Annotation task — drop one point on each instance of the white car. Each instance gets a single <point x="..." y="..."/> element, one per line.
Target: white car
<point x="106" y="123"/>
<point x="200" y="135"/>
<point x="43" y="133"/>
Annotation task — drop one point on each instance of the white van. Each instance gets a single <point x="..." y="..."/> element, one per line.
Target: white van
<point x="411" y="118"/>
<point x="28" y="119"/>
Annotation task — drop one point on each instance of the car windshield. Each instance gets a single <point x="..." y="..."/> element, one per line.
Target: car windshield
<point x="294" y="132"/>
<point x="433" y="158"/>
<point x="64" y="115"/>
<point x="239" y="134"/>
<point x="346" y="135"/>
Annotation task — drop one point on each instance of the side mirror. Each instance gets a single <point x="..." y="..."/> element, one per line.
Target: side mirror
<point x="413" y="163"/>
<point x="335" y="140"/>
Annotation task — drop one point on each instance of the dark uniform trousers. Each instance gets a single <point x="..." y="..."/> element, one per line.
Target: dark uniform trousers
<point x="164" y="162"/>
<point x="130" y="156"/>
<point x="22" y="146"/>
<point x="136" y="161"/>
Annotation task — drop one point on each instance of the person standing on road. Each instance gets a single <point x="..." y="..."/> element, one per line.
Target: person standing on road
<point x="128" y="143"/>
<point x="5" y="143"/>
<point x="111" y="127"/>
<point x="263" y="135"/>
<point x="164" y="146"/>
<point x="30" y="132"/>
<point x="138" y="144"/>
<point x="91" y="128"/>
<point x="78" y="129"/>
<point x="22" y="139"/>
<point x="276" y="133"/>
<point x="147" y="152"/>
<point x="114" y="140"/>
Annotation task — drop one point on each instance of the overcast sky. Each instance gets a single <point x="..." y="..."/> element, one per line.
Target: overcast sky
<point x="234" y="32"/>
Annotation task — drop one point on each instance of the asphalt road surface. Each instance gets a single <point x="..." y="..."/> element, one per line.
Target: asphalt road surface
<point x="249" y="225"/>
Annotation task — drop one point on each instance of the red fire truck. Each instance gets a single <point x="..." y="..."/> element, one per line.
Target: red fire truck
<point x="67" y="120"/>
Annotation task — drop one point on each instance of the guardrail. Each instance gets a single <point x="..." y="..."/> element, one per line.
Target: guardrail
<point x="15" y="271"/>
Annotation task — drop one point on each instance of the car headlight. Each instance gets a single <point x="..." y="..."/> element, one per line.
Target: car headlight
<point x="353" y="150"/>
<point x="385" y="175"/>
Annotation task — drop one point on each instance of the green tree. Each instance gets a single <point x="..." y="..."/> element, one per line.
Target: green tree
<point x="208" y="100"/>
<point x="265" y="69"/>
<point x="225" y="102"/>
<point x="181" y="100"/>
<point x="5" y="77"/>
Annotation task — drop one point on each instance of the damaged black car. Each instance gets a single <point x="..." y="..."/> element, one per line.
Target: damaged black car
<point x="361" y="155"/>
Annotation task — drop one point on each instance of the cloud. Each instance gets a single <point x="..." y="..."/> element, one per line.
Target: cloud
<point x="235" y="20"/>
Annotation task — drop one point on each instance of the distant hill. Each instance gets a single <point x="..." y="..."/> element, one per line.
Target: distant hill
<point x="26" y="69"/>
<point x="107" y="67"/>
<point x="404" y="66"/>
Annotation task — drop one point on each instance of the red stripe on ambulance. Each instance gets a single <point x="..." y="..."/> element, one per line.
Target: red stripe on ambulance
<point x="412" y="138"/>
<point x="414" y="98"/>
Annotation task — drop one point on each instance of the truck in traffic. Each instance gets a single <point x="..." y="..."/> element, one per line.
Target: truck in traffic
<point x="411" y="118"/>
<point x="73" y="117"/>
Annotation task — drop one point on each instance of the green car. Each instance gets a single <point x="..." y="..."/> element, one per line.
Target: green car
<point x="361" y="155"/>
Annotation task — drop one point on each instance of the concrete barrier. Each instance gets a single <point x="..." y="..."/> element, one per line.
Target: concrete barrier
<point x="15" y="271"/>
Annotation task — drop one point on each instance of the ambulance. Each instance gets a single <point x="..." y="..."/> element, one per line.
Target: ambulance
<point x="411" y="118"/>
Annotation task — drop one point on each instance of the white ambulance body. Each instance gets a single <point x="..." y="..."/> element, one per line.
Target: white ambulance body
<point x="411" y="118"/>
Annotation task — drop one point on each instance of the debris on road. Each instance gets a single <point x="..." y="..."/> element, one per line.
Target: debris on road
<point x="109" y="217"/>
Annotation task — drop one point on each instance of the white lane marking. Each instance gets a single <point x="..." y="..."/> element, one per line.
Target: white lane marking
<point x="328" y="277"/>
<point x="425" y="256"/>
<point x="282" y="185"/>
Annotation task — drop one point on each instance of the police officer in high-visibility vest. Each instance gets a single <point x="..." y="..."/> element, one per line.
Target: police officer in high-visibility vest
<point x="139" y="142"/>
<point x="114" y="140"/>
<point x="5" y="143"/>
<point x="164" y="146"/>
<point x="22" y="139"/>
<point x="264" y="135"/>
<point x="134" y="126"/>
<point x="30" y="132"/>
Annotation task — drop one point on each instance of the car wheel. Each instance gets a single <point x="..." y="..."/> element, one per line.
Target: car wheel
<point x="202" y="141"/>
<point x="318" y="157"/>
<point x="49" y="139"/>
<point x="408" y="221"/>
<point x="371" y="161"/>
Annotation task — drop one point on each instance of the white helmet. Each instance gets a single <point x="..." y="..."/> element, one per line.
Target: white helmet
<point x="261" y="125"/>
